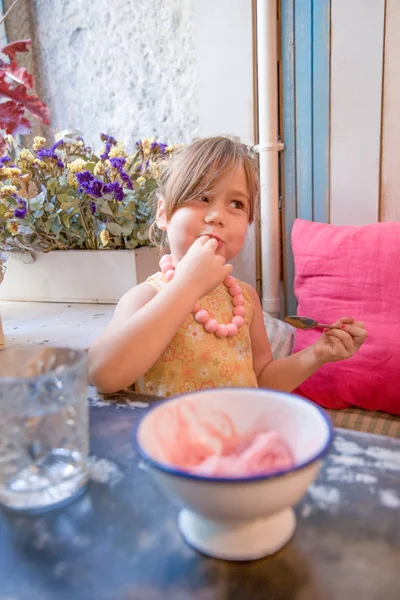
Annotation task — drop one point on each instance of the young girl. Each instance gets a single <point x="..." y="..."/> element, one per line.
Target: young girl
<point x="192" y="326"/>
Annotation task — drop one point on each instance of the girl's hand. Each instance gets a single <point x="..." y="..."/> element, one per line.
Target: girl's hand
<point x="338" y="344"/>
<point x="201" y="267"/>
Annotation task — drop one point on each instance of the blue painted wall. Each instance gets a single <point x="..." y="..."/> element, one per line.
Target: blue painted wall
<point x="305" y="71"/>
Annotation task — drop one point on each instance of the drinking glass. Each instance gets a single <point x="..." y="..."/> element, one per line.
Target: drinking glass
<point x="43" y="426"/>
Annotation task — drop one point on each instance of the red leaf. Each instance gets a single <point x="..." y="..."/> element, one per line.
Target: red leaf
<point x="19" y="74"/>
<point x="31" y="102"/>
<point x="20" y="46"/>
<point x="12" y="118"/>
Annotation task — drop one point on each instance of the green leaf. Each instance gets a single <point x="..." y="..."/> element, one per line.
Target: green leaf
<point x="131" y="244"/>
<point x="56" y="226"/>
<point x="66" y="220"/>
<point x="90" y="167"/>
<point x="127" y="229"/>
<point x="52" y="185"/>
<point x="129" y="197"/>
<point x="25" y="230"/>
<point x="105" y="209"/>
<point x="37" y="202"/>
<point x="129" y="216"/>
<point x="114" y="228"/>
<point x="67" y="206"/>
<point x="151" y="185"/>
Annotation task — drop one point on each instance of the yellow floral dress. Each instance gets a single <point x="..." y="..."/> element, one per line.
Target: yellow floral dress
<point x="198" y="360"/>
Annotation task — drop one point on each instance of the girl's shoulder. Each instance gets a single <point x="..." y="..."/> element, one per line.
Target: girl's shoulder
<point x="248" y="291"/>
<point x="133" y="300"/>
<point x="252" y="298"/>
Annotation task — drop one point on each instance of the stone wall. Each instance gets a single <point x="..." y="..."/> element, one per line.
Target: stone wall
<point x="125" y="67"/>
<point x="134" y="68"/>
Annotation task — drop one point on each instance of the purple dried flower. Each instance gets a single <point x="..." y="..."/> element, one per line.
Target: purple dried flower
<point x="50" y="153"/>
<point x="117" y="163"/>
<point x="126" y="179"/>
<point x="118" y="192"/>
<point x="110" y="141"/>
<point x="108" y="138"/>
<point x="4" y="160"/>
<point x="95" y="189"/>
<point x="116" y="189"/>
<point x="21" y="209"/>
<point x="45" y="153"/>
<point x="57" y="145"/>
<point x="84" y="177"/>
<point x="159" y="146"/>
<point x="92" y="206"/>
<point x="106" y="152"/>
<point x="89" y="184"/>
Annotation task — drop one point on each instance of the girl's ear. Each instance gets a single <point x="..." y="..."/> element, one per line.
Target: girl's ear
<point x="161" y="218"/>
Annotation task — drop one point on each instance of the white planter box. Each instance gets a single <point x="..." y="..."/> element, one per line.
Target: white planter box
<point x="92" y="276"/>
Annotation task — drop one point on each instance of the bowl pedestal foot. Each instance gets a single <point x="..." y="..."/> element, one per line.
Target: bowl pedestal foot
<point x="244" y="540"/>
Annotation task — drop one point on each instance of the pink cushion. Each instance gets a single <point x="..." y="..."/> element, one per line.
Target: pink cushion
<point x="351" y="271"/>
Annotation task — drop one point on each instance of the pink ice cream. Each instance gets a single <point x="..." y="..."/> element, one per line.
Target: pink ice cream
<point x="213" y="447"/>
<point x="266" y="453"/>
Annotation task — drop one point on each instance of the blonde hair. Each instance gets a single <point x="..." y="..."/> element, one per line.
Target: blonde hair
<point x="195" y="171"/>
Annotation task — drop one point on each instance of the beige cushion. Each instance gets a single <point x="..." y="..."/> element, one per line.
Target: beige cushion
<point x="280" y="335"/>
<point x="367" y="421"/>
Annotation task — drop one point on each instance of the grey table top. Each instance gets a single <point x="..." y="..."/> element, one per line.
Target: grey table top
<point x="120" y="539"/>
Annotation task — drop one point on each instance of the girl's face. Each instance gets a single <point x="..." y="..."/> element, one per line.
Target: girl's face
<point x="223" y="215"/>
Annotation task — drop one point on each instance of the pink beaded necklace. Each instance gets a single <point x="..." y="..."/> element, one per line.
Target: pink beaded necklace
<point x="202" y="316"/>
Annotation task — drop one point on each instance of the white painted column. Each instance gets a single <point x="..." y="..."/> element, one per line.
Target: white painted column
<point x="268" y="148"/>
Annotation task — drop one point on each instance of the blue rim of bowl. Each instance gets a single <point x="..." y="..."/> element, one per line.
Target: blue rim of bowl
<point x="253" y="478"/>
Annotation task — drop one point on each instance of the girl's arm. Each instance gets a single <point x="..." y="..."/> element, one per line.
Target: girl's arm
<point x="142" y="326"/>
<point x="145" y="321"/>
<point x="286" y="374"/>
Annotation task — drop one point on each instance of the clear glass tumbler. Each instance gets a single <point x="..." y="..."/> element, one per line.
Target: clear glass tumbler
<point x="44" y="433"/>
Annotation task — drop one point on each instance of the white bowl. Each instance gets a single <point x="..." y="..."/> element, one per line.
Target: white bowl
<point x="241" y="518"/>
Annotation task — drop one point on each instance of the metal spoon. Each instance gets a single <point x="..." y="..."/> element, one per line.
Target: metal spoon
<point x="307" y="323"/>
